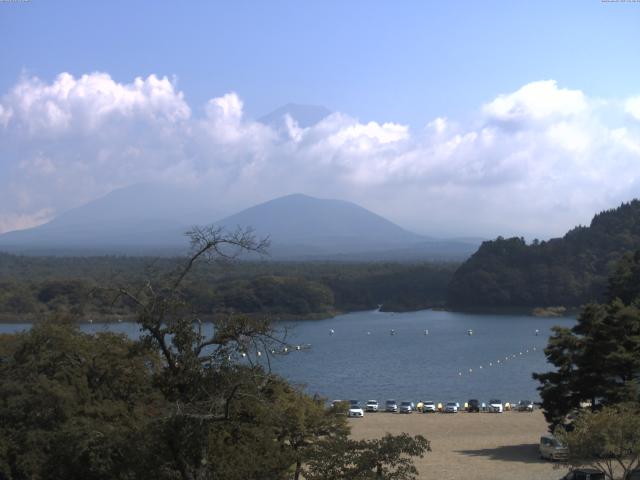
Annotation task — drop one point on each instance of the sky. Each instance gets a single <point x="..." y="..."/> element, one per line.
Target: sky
<point x="457" y="118"/>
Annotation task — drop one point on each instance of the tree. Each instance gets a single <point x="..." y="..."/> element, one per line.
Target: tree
<point x="598" y="360"/>
<point x="72" y="404"/>
<point x="608" y="440"/>
<point x="389" y="457"/>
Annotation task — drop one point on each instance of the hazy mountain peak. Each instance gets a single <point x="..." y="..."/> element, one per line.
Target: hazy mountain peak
<point x="305" y="115"/>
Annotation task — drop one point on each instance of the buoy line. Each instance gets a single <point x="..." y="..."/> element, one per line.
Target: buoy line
<point x="501" y="361"/>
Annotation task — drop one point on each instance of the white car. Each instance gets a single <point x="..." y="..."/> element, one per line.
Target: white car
<point x="355" y="410"/>
<point x="496" y="406"/>
<point x="428" y="407"/>
<point x="451" y="407"/>
<point x="371" y="406"/>
<point x="407" y="407"/>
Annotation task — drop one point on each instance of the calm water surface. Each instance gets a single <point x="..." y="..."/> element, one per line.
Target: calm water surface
<point x="362" y="360"/>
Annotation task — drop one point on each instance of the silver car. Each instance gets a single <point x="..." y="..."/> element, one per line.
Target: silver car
<point x="407" y="407"/>
<point x="551" y="448"/>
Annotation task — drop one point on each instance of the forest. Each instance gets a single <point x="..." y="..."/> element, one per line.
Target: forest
<point x="85" y="287"/>
<point x="568" y="271"/>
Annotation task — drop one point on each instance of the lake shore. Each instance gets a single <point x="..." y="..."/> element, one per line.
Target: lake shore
<point x="474" y="446"/>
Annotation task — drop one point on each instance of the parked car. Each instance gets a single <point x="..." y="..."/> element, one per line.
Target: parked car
<point x="451" y="407"/>
<point x="551" y="448"/>
<point x="584" y="474"/>
<point x="525" y="406"/>
<point x="371" y="406"/>
<point x="473" y="405"/>
<point x="496" y="406"/>
<point x="428" y="407"/>
<point x="355" y="409"/>
<point x="391" y="406"/>
<point x="407" y="407"/>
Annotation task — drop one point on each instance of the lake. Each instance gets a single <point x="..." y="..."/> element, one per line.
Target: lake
<point x="362" y="360"/>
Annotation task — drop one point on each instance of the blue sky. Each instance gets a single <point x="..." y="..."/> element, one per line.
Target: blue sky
<point x="451" y="118"/>
<point x="401" y="61"/>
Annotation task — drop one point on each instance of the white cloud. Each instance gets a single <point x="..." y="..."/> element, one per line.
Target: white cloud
<point x="536" y="161"/>
<point x="537" y="101"/>
<point x="632" y="107"/>
<point x="89" y="101"/>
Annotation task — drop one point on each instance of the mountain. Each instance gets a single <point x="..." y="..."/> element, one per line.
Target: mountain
<point x="143" y="218"/>
<point x="303" y="227"/>
<point x="305" y="115"/>
<point x="151" y="219"/>
<point x="568" y="271"/>
<point x="318" y="223"/>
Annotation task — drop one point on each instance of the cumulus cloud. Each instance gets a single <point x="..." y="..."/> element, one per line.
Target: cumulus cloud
<point x="537" y="101"/>
<point x="534" y="161"/>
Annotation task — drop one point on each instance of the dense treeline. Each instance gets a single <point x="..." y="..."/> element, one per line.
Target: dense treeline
<point x="568" y="271"/>
<point x="32" y="286"/>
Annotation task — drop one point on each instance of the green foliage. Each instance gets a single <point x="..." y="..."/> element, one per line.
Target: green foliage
<point x="608" y="440"/>
<point x="389" y="457"/>
<point x="598" y="360"/>
<point x="569" y="271"/>
<point x="32" y="287"/>
<point x="72" y="403"/>
<point x="175" y="404"/>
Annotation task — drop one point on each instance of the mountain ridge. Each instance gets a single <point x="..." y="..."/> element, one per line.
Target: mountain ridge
<point x="571" y="270"/>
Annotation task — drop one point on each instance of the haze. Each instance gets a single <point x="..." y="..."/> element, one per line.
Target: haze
<point x="448" y="118"/>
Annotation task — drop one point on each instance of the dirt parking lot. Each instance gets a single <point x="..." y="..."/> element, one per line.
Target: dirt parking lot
<point x="482" y="446"/>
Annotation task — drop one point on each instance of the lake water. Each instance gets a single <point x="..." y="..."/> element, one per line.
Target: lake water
<point x="362" y="360"/>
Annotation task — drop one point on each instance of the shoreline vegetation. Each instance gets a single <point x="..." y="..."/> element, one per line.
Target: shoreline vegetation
<point x="33" y="288"/>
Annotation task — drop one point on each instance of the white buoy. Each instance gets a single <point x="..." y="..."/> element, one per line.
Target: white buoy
<point x="332" y="331"/>
<point x="392" y="332"/>
<point x="480" y="366"/>
<point x="259" y="354"/>
<point x="243" y="354"/>
<point x="297" y="347"/>
<point x="471" y="370"/>
<point x="426" y="332"/>
<point x="460" y="373"/>
<point x="368" y="333"/>
<point x="285" y="349"/>
<point x="537" y="332"/>
<point x="469" y="332"/>
<point x="491" y="364"/>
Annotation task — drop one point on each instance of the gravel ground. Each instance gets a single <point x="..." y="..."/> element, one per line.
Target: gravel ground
<point x="482" y="446"/>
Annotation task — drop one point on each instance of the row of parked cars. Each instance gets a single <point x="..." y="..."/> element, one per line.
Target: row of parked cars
<point x="496" y="406"/>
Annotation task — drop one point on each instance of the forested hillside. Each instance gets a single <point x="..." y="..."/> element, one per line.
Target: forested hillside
<point x="568" y="271"/>
<point x="31" y="287"/>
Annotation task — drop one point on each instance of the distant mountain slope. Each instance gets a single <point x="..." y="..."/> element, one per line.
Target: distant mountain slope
<point x="568" y="271"/>
<point x="319" y="225"/>
<point x="151" y="220"/>
<point x="132" y="219"/>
